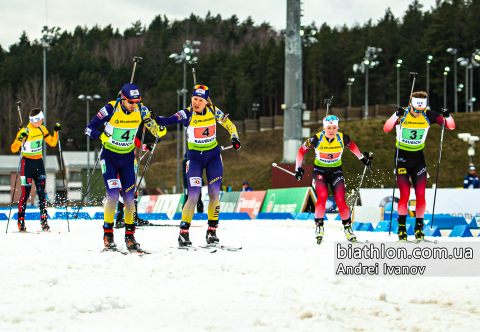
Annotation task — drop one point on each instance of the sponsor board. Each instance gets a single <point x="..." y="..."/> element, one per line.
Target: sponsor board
<point x="457" y="202"/>
<point x="251" y="202"/>
<point x="292" y="200"/>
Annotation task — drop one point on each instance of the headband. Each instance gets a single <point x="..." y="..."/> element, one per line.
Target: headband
<point x="419" y="103"/>
<point x="330" y="120"/>
<point x="37" y="117"/>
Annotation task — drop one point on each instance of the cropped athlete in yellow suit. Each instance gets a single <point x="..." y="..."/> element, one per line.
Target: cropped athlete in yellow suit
<point x="30" y="139"/>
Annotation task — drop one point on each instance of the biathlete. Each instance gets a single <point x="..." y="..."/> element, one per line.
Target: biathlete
<point x="328" y="145"/>
<point x="121" y="118"/>
<point x="120" y="222"/>
<point x="203" y="153"/>
<point x="30" y="139"/>
<point x="412" y="126"/>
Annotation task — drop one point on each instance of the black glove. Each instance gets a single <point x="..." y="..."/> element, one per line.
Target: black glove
<point x="22" y="136"/>
<point x="400" y="112"/>
<point x="149" y="147"/>
<point x="152" y="116"/>
<point x="446" y="113"/>
<point x="236" y="143"/>
<point x="57" y="127"/>
<point x="299" y="173"/>
<point x="366" y="160"/>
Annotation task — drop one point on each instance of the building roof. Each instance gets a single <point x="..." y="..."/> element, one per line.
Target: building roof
<point x="78" y="158"/>
<point x="10" y="163"/>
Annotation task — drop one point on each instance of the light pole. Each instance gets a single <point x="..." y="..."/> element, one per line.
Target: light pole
<point x="88" y="99"/>
<point x="465" y="63"/>
<point x="49" y="36"/>
<point x="255" y="108"/>
<point x="445" y="73"/>
<point x="473" y="64"/>
<point x="185" y="57"/>
<point x="350" y="83"/>
<point x="399" y="64"/>
<point x="454" y="52"/>
<point x="429" y="60"/>
<point x="179" y="93"/>
<point x="368" y="62"/>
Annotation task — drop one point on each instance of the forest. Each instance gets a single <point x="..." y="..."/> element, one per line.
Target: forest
<point x="242" y="63"/>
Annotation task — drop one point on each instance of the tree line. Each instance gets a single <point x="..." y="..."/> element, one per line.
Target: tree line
<point x="242" y="63"/>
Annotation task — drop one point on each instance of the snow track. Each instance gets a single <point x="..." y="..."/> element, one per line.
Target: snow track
<point x="280" y="281"/>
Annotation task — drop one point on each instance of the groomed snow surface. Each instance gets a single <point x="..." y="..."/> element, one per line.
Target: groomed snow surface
<point x="281" y="281"/>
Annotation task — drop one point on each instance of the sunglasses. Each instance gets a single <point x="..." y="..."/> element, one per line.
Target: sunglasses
<point x="331" y="118"/>
<point x="203" y="87"/>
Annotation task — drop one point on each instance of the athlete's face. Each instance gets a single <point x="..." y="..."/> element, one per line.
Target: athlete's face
<point x="37" y="123"/>
<point x="198" y="104"/>
<point x="129" y="107"/>
<point x="416" y="112"/>
<point x="331" y="131"/>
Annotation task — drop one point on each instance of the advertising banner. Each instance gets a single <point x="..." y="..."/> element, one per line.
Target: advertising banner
<point x="142" y="203"/>
<point x="250" y="202"/>
<point x="167" y="204"/>
<point x="457" y="202"/>
<point x="292" y="200"/>
<point x="229" y="200"/>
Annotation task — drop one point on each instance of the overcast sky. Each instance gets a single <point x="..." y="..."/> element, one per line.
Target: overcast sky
<point x="32" y="15"/>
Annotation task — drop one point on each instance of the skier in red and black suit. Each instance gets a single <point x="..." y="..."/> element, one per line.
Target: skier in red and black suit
<point x="412" y="126"/>
<point x="328" y="146"/>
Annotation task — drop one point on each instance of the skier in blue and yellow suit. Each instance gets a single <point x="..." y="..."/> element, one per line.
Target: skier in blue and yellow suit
<point x="200" y="121"/>
<point x="121" y="118"/>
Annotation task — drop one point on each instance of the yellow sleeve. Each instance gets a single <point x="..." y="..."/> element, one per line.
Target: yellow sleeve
<point x="16" y="144"/>
<point x="227" y="124"/>
<point x="152" y="125"/>
<point x="52" y="141"/>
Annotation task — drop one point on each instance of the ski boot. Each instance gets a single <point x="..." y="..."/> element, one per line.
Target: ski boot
<point x="402" y="229"/>
<point x="347" y="225"/>
<point x="139" y="221"/>
<point x="184" y="238"/>
<point x="419" y="235"/>
<point x="319" y="230"/>
<point x="212" y="232"/>
<point x="130" y="241"/>
<point x="21" y="222"/>
<point x="108" y="236"/>
<point x="44" y="223"/>
<point x="120" y="222"/>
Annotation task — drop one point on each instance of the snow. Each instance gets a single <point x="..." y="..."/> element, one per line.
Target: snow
<point x="280" y="281"/>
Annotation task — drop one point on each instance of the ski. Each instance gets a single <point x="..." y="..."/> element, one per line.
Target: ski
<point x="139" y="251"/>
<point x="222" y="247"/>
<point x="359" y="242"/>
<point x="406" y="241"/>
<point x="209" y="250"/>
<point x="425" y="241"/>
<point x="115" y="250"/>
<point x="156" y="225"/>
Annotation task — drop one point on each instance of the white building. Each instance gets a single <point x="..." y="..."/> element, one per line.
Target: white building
<point x="75" y="168"/>
<point x="8" y="170"/>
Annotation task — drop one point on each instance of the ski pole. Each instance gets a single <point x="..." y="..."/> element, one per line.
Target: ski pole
<point x="360" y="185"/>
<point x="146" y="165"/>
<point x="136" y="59"/>
<point x="87" y="190"/>
<point x="226" y="148"/>
<point x="328" y="102"/>
<point x="19" y="105"/>
<point x="63" y="179"/>
<point x="414" y="75"/>
<point x="438" y="170"/>
<point x="283" y="169"/>
<point x="15" y="186"/>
